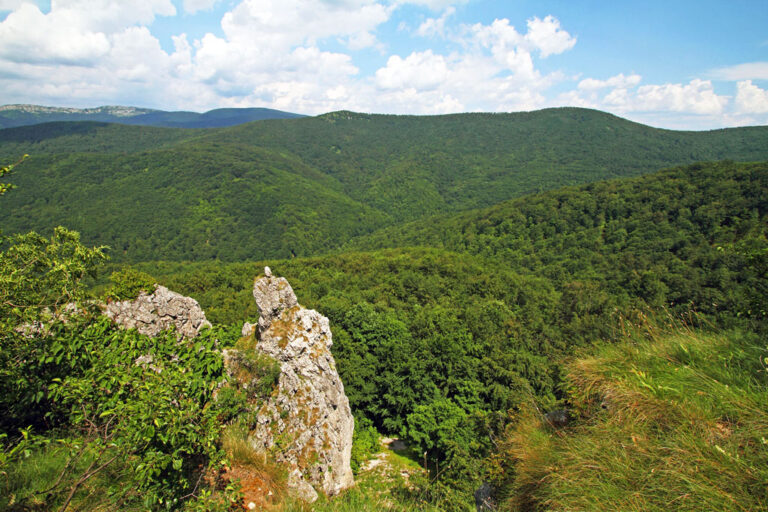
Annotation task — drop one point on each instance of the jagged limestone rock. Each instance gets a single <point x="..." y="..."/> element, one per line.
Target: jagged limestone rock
<point x="152" y="314"/>
<point x="307" y="422"/>
<point x="273" y="295"/>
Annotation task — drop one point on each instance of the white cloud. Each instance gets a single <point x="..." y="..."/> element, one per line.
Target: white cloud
<point x="626" y="95"/>
<point x="192" y="6"/>
<point x="280" y="24"/>
<point x="435" y="26"/>
<point x="420" y="70"/>
<point x="747" y="71"/>
<point x="494" y="71"/>
<point x="751" y="99"/>
<point x="618" y="81"/>
<point x="74" y="31"/>
<point x="10" y="5"/>
<point x="548" y="37"/>
<point x="56" y="38"/>
<point x="696" y="97"/>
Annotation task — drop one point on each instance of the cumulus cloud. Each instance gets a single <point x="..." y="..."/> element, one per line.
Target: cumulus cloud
<point x="74" y="31"/>
<point x="495" y="70"/>
<point x="624" y="94"/>
<point x="751" y="99"/>
<point x="698" y="97"/>
<point x="548" y="37"/>
<point x="747" y="71"/>
<point x="9" y="5"/>
<point x="420" y="70"/>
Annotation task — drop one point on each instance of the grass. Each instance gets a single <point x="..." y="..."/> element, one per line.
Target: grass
<point x="41" y="482"/>
<point x="373" y="491"/>
<point x="262" y="481"/>
<point x="666" y="421"/>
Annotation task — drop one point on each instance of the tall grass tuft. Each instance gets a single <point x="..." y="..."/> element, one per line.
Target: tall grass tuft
<point x="668" y="420"/>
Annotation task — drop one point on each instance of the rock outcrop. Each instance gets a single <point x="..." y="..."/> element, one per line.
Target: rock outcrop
<point x="152" y="314"/>
<point x="307" y="423"/>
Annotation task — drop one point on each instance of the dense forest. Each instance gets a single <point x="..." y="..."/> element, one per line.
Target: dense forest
<point x="279" y="188"/>
<point x="628" y="300"/>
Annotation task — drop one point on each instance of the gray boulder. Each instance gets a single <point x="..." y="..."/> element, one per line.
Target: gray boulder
<point x="152" y="314"/>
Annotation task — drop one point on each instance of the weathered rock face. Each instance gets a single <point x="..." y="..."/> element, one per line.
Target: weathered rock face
<point x="307" y="423"/>
<point x="273" y="295"/>
<point x="152" y="314"/>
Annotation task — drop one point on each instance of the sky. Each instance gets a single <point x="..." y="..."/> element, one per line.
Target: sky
<point x="674" y="64"/>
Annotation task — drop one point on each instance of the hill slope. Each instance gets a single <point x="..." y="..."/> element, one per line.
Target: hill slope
<point x="655" y="235"/>
<point x="205" y="193"/>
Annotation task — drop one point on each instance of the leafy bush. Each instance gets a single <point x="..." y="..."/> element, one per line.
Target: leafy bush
<point x="365" y="442"/>
<point x="128" y="282"/>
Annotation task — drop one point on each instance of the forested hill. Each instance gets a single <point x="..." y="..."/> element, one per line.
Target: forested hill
<point x="23" y="115"/>
<point x="655" y="237"/>
<point x="279" y="188"/>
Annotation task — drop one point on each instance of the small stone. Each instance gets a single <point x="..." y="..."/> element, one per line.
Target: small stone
<point x="251" y="506"/>
<point x="247" y="329"/>
<point x="267" y="272"/>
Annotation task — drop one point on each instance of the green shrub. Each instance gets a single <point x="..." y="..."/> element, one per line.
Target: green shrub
<point x="128" y="282"/>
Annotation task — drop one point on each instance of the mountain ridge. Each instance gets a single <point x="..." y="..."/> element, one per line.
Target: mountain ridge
<point x="27" y="114"/>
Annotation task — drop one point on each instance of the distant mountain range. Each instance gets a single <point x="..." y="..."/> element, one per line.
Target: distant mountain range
<point x="23" y="115"/>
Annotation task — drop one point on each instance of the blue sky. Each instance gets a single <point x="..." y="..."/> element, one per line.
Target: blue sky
<point x="675" y="64"/>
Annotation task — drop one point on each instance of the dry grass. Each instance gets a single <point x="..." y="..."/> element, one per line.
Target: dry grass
<point x="262" y="481"/>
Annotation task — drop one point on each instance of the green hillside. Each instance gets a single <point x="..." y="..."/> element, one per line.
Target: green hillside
<point x="305" y="186"/>
<point x="408" y="166"/>
<point x="647" y="235"/>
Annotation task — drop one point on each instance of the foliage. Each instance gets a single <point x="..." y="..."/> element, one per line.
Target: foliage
<point x="444" y="347"/>
<point x="365" y="442"/>
<point x="6" y="169"/>
<point x="39" y="279"/>
<point x="142" y="405"/>
<point x="128" y="282"/>
<point x="456" y="345"/>
<point x="136" y="411"/>
<point x="37" y="273"/>
<point x="652" y="238"/>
